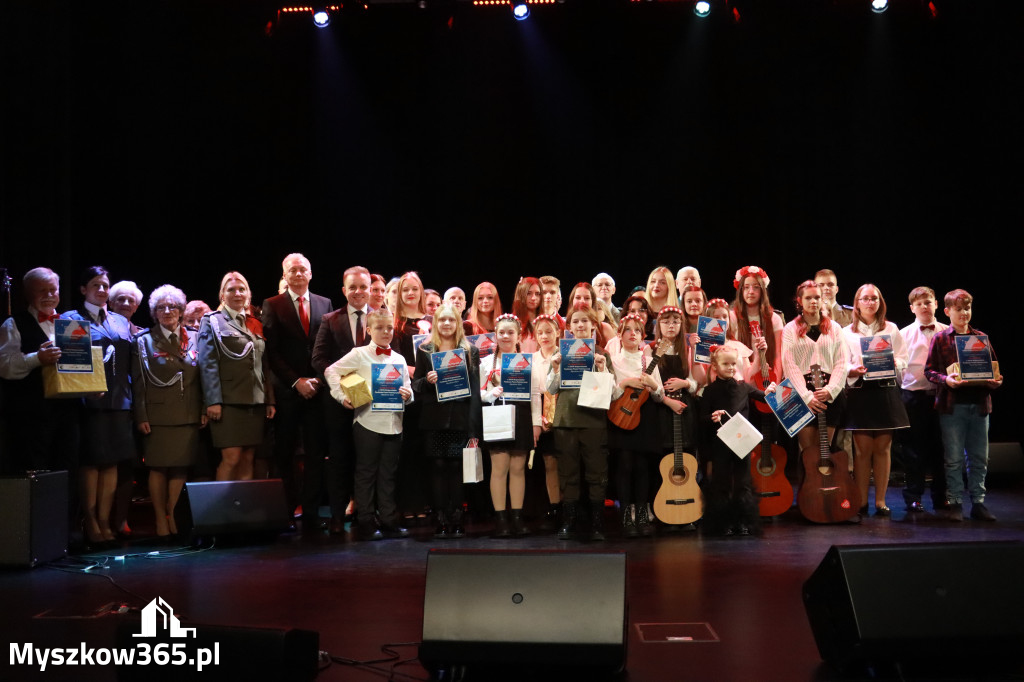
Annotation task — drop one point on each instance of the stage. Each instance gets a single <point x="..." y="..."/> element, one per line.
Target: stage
<point x="744" y="594"/>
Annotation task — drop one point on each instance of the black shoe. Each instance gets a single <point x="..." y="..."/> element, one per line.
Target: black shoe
<point x="337" y="526"/>
<point x="863" y="511"/>
<point x="742" y="530"/>
<point x="442" y="532"/>
<point x="502" y="528"/>
<point x="883" y="511"/>
<point x="955" y="512"/>
<point x="597" y="521"/>
<point x="643" y="521"/>
<point x="519" y="528"/>
<point x="313" y="524"/>
<point x="394" y="532"/>
<point x="368" y="532"/>
<point x="916" y="506"/>
<point x="568" y="529"/>
<point x="979" y="512"/>
<point x="629" y="529"/>
<point x="456" y="529"/>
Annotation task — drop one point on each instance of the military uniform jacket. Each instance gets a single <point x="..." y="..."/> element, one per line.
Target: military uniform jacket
<point x="114" y="336"/>
<point x="165" y="380"/>
<point x="232" y="362"/>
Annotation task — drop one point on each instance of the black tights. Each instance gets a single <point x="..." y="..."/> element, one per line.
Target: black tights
<point x="446" y="483"/>
<point x="633" y="478"/>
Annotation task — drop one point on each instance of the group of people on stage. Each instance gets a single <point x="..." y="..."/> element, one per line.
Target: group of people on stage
<point x="198" y="379"/>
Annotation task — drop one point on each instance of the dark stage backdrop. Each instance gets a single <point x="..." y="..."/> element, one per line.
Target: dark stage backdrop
<point x="173" y="141"/>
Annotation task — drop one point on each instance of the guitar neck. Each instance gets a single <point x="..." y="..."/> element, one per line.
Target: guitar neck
<point x="677" y="440"/>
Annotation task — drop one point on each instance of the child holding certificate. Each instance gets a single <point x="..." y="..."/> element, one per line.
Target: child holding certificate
<point x="580" y="435"/>
<point x="547" y="330"/>
<point x="964" y="410"/>
<point x="448" y="424"/>
<point x="508" y="458"/>
<point x="377" y="428"/>
<point x="873" y="406"/>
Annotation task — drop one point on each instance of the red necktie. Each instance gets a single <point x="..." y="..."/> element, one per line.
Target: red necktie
<point x="383" y="351"/>
<point x="43" y="317"/>
<point x="303" y="315"/>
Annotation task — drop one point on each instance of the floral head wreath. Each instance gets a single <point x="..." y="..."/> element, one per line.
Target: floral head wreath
<point x="670" y="309"/>
<point x="750" y="271"/>
<point x="508" y="316"/>
<point x="717" y="303"/>
<point x="635" y="317"/>
<point x="543" y="318"/>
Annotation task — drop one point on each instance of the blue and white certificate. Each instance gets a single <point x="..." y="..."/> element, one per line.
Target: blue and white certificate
<point x="975" y="357"/>
<point x="417" y="341"/>
<point x="75" y="342"/>
<point x="517" y="376"/>
<point x="387" y="379"/>
<point x="789" y="408"/>
<point x="877" y="357"/>
<point x="711" y="332"/>
<point x="452" y="374"/>
<point x="577" y="358"/>
<point x="485" y="343"/>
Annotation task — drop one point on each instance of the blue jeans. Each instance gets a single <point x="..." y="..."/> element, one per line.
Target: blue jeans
<point x="965" y="431"/>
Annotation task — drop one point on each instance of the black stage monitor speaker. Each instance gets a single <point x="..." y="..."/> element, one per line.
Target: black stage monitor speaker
<point x="525" y="610"/>
<point x="228" y="507"/>
<point x="878" y="605"/>
<point x="33" y="518"/>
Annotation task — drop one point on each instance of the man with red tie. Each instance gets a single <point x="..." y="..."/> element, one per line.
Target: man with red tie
<point x="341" y="331"/>
<point x="291" y="321"/>
<point x="42" y="434"/>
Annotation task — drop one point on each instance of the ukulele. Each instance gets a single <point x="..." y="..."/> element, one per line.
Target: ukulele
<point x="625" y="410"/>
<point x="679" y="500"/>
<point x="772" y="489"/>
<point x="767" y="373"/>
<point x="828" y="492"/>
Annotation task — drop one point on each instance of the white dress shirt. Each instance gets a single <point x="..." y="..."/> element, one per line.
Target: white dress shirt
<point x="14" y="364"/>
<point x="361" y="360"/>
<point x="853" y="337"/>
<point x="918" y="342"/>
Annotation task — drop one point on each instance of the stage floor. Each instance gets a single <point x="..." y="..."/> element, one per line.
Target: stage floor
<point x="361" y="596"/>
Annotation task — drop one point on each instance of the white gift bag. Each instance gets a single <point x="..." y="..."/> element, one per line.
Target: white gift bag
<point x="499" y="423"/>
<point x="472" y="465"/>
<point x="740" y="435"/>
<point x="596" y="390"/>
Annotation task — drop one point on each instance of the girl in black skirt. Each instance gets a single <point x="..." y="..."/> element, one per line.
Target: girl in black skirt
<point x="873" y="406"/>
<point x="508" y="458"/>
<point x="447" y="426"/>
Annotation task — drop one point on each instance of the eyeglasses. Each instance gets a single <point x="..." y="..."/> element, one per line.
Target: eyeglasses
<point x="868" y="299"/>
<point x="167" y="308"/>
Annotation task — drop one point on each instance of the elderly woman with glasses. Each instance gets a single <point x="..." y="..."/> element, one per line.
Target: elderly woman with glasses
<point x="167" y="401"/>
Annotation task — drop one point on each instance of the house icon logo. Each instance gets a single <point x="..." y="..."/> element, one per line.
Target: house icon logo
<point x="158" y="618"/>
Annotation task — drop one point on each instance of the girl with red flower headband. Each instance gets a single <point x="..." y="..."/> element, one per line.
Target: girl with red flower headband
<point x="508" y="458"/>
<point x="752" y="305"/>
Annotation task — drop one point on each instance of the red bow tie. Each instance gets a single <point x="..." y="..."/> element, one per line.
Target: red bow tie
<point x="928" y="326"/>
<point x="43" y="317"/>
<point x="383" y="351"/>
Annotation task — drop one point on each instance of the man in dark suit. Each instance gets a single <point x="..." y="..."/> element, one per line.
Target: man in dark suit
<point x="341" y="331"/>
<point x="290" y="324"/>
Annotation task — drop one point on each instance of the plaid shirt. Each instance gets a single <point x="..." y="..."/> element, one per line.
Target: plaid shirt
<point x="941" y="355"/>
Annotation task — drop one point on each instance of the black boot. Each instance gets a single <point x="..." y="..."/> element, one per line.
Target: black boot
<point x="597" y="520"/>
<point x="455" y="529"/>
<point x="442" y="532"/>
<point x="551" y="518"/>
<point x="518" y="525"/>
<point x="629" y="529"/>
<point x="568" y="529"/>
<point x="643" y="521"/>
<point x="502" y="529"/>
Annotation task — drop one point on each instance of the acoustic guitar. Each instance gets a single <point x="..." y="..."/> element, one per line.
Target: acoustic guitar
<point x="828" y="493"/>
<point x="767" y="375"/>
<point x="772" y="489"/>
<point x="679" y="500"/>
<point x="624" y="411"/>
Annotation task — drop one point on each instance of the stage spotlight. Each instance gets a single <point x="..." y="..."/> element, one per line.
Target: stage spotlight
<point x="702" y="8"/>
<point x="321" y="18"/>
<point x="520" y="10"/>
<point x="879" y="6"/>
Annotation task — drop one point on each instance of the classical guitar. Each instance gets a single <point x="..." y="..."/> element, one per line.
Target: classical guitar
<point x="679" y="500"/>
<point x="772" y="489"/>
<point x="767" y="375"/>
<point x="625" y="410"/>
<point x="829" y="493"/>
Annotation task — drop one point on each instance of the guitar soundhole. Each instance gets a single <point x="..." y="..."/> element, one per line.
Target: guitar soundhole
<point x="766" y="468"/>
<point x="679" y="476"/>
<point x="826" y="468"/>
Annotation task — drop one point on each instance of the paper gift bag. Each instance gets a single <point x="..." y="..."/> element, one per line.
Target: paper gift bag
<point x="596" y="390"/>
<point x="356" y="389"/>
<point x="499" y="423"/>
<point x="472" y="465"/>
<point x="76" y="384"/>
<point x="739" y="435"/>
